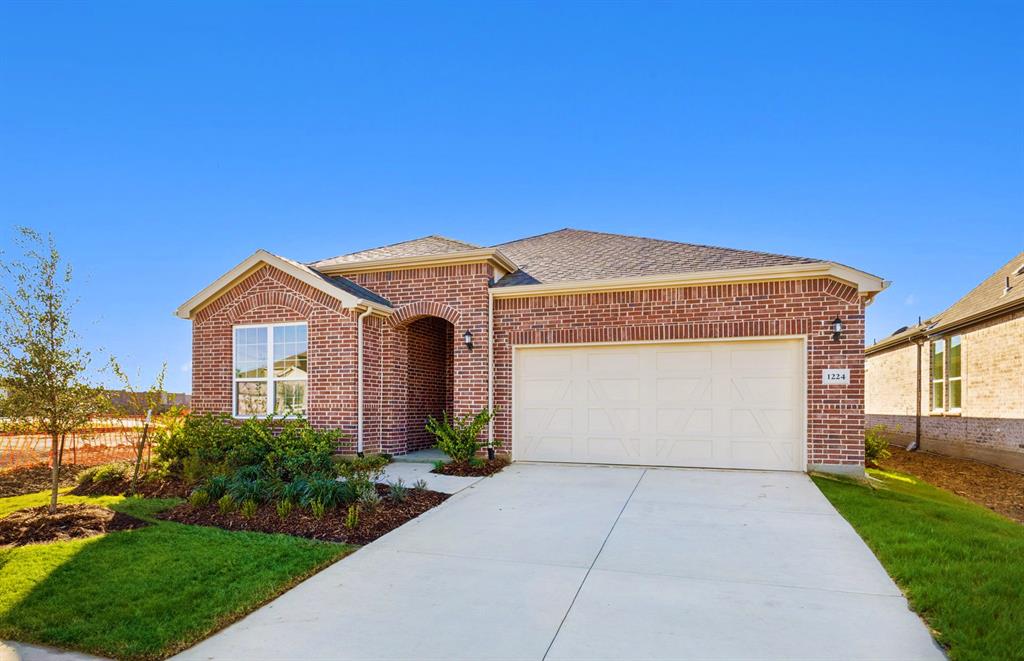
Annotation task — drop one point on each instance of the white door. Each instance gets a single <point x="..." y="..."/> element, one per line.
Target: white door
<point x="730" y="404"/>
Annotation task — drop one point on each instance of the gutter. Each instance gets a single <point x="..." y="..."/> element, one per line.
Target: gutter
<point x="490" y="372"/>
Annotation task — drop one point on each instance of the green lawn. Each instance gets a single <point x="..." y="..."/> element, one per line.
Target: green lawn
<point x="960" y="565"/>
<point x="144" y="593"/>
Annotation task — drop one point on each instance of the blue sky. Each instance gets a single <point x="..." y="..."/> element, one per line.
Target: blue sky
<point x="161" y="143"/>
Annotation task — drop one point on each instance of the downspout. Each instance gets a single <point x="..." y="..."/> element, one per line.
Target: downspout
<point x="917" y="431"/>
<point x="490" y="373"/>
<point x="359" y="377"/>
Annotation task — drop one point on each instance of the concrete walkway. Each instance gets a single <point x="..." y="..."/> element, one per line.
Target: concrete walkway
<point x="14" y="651"/>
<point x="581" y="562"/>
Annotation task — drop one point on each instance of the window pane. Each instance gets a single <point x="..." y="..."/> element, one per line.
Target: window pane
<point x="251" y="398"/>
<point x="290" y="398"/>
<point x="954" y="357"/>
<point x="954" y="393"/>
<point x="290" y="352"/>
<point x="937" y="395"/>
<point x="250" y="353"/>
<point x="938" y="359"/>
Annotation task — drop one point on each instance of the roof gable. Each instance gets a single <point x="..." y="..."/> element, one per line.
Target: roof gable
<point x="424" y="246"/>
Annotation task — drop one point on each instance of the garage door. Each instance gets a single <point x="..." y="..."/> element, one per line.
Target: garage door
<point x="716" y="404"/>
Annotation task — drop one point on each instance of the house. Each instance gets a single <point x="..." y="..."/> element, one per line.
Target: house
<point x="591" y="347"/>
<point x="956" y="381"/>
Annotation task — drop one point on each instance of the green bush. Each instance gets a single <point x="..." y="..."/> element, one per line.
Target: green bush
<point x="328" y="492"/>
<point x="352" y="517"/>
<point x="397" y="491"/>
<point x="368" y="467"/>
<point x="876" y="444"/>
<point x="200" y="446"/>
<point x="248" y="509"/>
<point x="318" y="508"/>
<point x="241" y="489"/>
<point x="457" y="437"/>
<point x="284" y="509"/>
<point x="226" y="504"/>
<point x="199" y="498"/>
<point x="217" y="486"/>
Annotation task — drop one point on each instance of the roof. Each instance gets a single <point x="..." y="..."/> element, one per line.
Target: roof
<point x="427" y="245"/>
<point x="988" y="298"/>
<point x="349" y="293"/>
<point x="571" y="254"/>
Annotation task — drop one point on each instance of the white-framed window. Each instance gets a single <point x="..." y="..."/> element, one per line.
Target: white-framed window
<point x="947" y="374"/>
<point x="269" y="370"/>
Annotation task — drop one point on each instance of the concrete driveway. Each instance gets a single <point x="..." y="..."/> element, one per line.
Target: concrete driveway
<point x="588" y="562"/>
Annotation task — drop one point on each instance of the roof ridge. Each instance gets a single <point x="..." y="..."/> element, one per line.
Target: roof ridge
<point x="392" y="245"/>
<point x="980" y="285"/>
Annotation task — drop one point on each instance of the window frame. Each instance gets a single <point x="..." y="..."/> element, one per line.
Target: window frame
<point x="270" y="380"/>
<point x="946" y="380"/>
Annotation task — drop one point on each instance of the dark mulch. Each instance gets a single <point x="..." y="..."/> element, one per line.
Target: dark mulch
<point x="996" y="488"/>
<point x="35" y="525"/>
<point x="30" y="479"/>
<point x="372" y="524"/>
<point x="466" y="469"/>
<point x="148" y="487"/>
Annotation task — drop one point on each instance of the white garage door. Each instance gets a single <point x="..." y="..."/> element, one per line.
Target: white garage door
<point x="731" y="404"/>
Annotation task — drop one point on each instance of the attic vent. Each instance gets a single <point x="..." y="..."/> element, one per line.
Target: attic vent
<point x="1020" y="270"/>
<point x="1007" y="288"/>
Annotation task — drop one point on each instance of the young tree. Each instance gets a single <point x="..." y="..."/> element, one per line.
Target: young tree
<point x="42" y="369"/>
<point x="135" y="403"/>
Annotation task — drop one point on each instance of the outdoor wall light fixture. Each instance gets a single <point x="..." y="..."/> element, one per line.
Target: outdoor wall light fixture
<point x="467" y="337"/>
<point x="837" y="329"/>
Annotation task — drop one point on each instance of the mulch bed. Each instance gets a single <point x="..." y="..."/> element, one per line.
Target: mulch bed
<point x="996" y="488"/>
<point x="146" y="488"/>
<point x="35" y="525"/>
<point x="466" y="469"/>
<point x="30" y="479"/>
<point x="372" y="524"/>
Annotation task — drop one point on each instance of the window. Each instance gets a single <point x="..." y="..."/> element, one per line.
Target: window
<point x="938" y="374"/>
<point x="947" y="381"/>
<point x="270" y="368"/>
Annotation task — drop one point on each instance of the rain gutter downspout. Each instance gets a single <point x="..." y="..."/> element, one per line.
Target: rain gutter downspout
<point x="359" y="377"/>
<point x="490" y="372"/>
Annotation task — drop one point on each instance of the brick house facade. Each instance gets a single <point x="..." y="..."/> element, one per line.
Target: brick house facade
<point x="956" y="381"/>
<point x="633" y="299"/>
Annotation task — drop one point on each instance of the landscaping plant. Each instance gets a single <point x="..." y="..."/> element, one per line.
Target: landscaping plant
<point x="397" y="491"/>
<point x="248" y="509"/>
<point x="876" y="445"/>
<point x="458" y="437"/>
<point x="136" y="403"/>
<point x="226" y="504"/>
<point x="352" y="517"/>
<point x="284" y="509"/>
<point x="42" y="368"/>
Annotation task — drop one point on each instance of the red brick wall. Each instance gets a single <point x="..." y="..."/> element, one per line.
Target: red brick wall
<point x="457" y="294"/>
<point x="835" y="415"/>
<point x="272" y="296"/>
<point x="429" y="388"/>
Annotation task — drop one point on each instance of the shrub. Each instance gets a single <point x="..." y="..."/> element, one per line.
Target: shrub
<point x="457" y="437"/>
<point x="352" y="517"/>
<point x="366" y="468"/>
<point x="420" y="485"/>
<point x="199" y="498"/>
<point x="397" y="491"/>
<point x="369" y="499"/>
<point x="329" y="492"/>
<point x="284" y="508"/>
<point x="438" y="465"/>
<point x="226" y="504"/>
<point x="217" y="486"/>
<point x="318" y="508"/>
<point x="109" y="472"/>
<point x="241" y="489"/>
<point x="876" y="444"/>
<point x="85" y="477"/>
<point x="248" y="508"/>
<point x="295" y="491"/>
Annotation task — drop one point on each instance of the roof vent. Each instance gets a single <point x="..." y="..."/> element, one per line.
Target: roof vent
<point x="1007" y="287"/>
<point x="899" y="330"/>
<point x="1020" y="270"/>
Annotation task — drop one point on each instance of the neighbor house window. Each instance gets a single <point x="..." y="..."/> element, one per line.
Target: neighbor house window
<point x="270" y="368"/>
<point x="947" y="382"/>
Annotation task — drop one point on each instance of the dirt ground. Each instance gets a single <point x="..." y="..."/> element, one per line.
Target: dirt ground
<point x="998" y="489"/>
<point x="30" y="479"/>
<point x="36" y="525"/>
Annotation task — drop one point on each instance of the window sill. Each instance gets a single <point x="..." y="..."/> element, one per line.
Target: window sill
<point x="945" y="414"/>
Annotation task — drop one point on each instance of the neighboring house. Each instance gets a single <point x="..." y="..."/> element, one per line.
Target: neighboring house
<point x="591" y="347"/>
<point x="956" y="380"/>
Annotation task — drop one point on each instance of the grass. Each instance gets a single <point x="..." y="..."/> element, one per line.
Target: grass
<point x="146" y="593"/>
<point x="960" y="565"/>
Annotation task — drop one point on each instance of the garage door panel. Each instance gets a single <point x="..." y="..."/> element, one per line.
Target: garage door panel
<point x="722" y="404"/>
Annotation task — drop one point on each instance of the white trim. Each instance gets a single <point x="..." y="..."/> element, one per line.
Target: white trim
<point x="867" y="285"/>
<point x="270" y="379"/>
<point x="804" y="346"/>
<point x="257" y="260"/>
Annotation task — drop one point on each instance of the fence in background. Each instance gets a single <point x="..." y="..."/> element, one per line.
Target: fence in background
<point x="103" y="441"/>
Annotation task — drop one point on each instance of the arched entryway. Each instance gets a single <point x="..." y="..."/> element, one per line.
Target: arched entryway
<point x="430" y="343"/>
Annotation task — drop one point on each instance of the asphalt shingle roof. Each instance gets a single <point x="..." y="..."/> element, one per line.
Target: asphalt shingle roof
<point x="428" y="245"/>
<point x="571" y="254"/>
<point x="990" y="295"/>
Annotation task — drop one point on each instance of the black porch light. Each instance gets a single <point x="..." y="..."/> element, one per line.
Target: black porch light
<point x="837" y="329"/>
<point x="467" y="337"/>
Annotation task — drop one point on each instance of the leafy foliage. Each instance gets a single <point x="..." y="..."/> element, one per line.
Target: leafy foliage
<point x="226" y="504"/>
<point x="329" y="492"/>
<point x="876" y="444"/>
<point x="458" y="436"/>
<point x="420" y="485"/>
<point x="284" y="509"/>
<point x="199" y="498"/>
<point x="257" y="490"/>
<point x="42" y="368"/>
<point x="368" y="467"/>
<point x="248" y="509"/>
<point x="352" y="516"/>
<point x="397" y="491"/>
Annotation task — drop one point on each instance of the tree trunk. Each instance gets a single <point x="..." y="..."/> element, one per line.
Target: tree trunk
<point x="55" y="473"/>
<point x="138" y="457"/>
